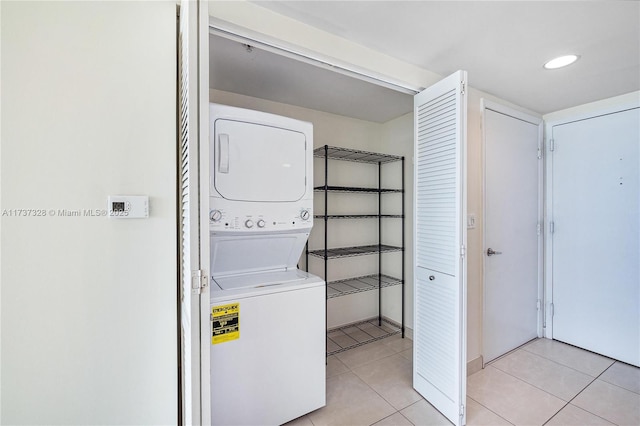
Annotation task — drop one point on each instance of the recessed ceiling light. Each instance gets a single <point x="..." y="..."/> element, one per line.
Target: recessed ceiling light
<point x="561" y="61"/>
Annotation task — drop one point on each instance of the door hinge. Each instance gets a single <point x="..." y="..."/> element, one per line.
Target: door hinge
<point x="552" y="309"/>
<point x="539" y="154"/>
<point x="552" y="227"/>
<point x="552" y="145"/>
<point x="198" y="281"/>
<point x="462" y="87"/>
<point x="463" y="251"/>
<point x="539" y="228"/>
<point x="538" y="304"/>
<point x="461" y="410"/>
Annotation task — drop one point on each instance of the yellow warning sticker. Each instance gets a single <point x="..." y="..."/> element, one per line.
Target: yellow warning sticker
<point x="225" y="323"/>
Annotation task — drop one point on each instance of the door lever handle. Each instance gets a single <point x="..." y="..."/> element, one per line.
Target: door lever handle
<point x="491" y="252"/>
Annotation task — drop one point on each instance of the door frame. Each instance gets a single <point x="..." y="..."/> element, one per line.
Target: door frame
<point x="536" y="120"/>
<point x="192" y="215"/>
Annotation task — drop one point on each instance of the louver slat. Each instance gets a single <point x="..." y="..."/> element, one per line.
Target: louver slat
<point x="436" y="184"/>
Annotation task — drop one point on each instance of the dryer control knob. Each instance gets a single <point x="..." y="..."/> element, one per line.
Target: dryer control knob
<point x="261" y="223"/>
<point x="215" y="215"/>
<point x="304" y="214"/>
<point x="248" y="223"/>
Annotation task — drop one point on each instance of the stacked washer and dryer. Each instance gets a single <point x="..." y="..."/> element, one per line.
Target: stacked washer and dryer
<point x="267" y="316"/>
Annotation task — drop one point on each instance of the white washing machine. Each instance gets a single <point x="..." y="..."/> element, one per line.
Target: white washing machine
<point x="269" y="365"/>
<point x="267" y="316"/>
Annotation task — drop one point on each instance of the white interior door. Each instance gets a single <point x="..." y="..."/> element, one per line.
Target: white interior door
<point x="194" y="295"/>
<point x="512" y="237"/>
<point x="439" y="350"/>
<point x="596" y="234"/>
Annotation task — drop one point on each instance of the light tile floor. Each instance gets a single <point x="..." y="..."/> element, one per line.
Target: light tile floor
<point x="542" y="383"/>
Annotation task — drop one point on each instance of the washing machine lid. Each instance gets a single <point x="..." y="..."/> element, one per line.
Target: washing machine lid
<point x="259" y="162"/>
<point x="261" y="280"/>
<point x="239" y="287"/>
<point x="233" y="254"/>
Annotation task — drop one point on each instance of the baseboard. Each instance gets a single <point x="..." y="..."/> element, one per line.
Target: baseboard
<point x="408" y="333"/>
<point x="474" y="366"/>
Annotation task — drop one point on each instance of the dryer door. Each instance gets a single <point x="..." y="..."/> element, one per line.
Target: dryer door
<point x="255" y="162"/>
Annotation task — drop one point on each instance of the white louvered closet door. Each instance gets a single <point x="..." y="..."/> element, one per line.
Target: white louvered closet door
<point x="439" y="354"/>
<point x="194" y="296"/>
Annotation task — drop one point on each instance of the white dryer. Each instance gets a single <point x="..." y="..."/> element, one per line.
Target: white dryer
<point x="261" y="190"/>
<point x="267" y="317"/>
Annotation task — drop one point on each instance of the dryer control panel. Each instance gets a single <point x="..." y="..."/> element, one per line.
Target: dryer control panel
<point x="272" y="218"/>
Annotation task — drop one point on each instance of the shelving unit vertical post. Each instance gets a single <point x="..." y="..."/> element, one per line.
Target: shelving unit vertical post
<point x="379" y="243"/>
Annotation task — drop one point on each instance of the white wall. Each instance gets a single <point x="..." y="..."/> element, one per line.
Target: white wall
<point x="89" y="321"/>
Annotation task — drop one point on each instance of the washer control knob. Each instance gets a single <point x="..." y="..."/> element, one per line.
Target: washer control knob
<point x="261" y="223"/>
<point x="304" y="215"/>
<point x="248" y="223"/>
<point x="215" y="215"/>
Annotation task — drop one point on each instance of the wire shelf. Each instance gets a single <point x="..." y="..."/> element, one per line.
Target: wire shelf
<point x="332" y="188"/>
<point x="353" y="335"/>
<point x="353" y="251"/>
<point x="346" y="154"/>
<point x="359" y="284"/>
<point x="358" y="216"/>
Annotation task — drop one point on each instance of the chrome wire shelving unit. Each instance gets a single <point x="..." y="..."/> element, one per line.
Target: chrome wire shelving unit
<point x="370" y="330"/>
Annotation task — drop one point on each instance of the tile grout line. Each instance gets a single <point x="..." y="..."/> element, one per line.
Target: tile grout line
<point x="531" y="384"/>
<point x="605" y="370"/>
<point x="381" y="396"/>
<point x="397" y="412"/>
<point x="578" y="394"/>
<point x="549" y="393"/>
<point x="613" y="384"/>
<point x="376" y="392"/>
<point x="488" y="409"/>
<point x="350" y="370"/>
<point x="542" y="390"/>
<point x="568" y="366"/>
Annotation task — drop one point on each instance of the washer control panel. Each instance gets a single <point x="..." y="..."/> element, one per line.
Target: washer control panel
<point x="220" y="219"/>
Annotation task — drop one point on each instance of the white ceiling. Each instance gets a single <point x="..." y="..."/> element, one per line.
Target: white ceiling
<point x="262" y="74"/>
<point x="502" y="45"/>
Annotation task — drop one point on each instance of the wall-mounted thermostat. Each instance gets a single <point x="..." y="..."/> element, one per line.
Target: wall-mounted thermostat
<point x="128" y="206"/>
